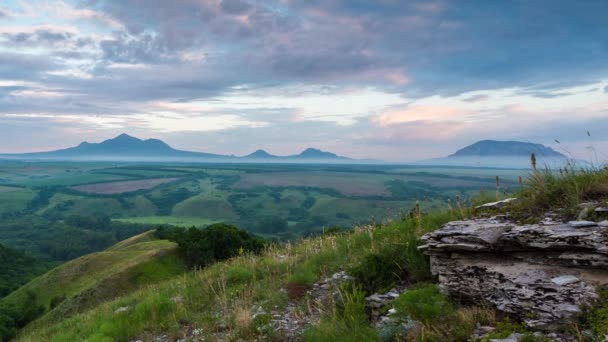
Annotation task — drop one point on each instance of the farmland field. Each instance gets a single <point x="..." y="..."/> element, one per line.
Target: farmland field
<point x="122" y="187"/>
<point x="283" y="201"/>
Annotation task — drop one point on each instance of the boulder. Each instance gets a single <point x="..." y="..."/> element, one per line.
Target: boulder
<point x="544" y="275"/>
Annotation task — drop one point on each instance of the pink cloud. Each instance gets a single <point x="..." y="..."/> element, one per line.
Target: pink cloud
<point x="418" y="113"/>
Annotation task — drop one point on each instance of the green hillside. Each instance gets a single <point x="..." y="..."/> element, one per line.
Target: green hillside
<point x="238" y="299"/>
<point x="95" y="278"/>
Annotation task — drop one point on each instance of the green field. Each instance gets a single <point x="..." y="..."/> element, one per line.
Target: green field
<point x="285" y="201"/>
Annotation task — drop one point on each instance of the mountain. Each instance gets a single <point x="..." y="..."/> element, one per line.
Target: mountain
<point x="506" y="148"/>
<point x="313" y="153"/>
<point x="501" y="154"/>
<point x="121" y="146"/>
<point x="260" y="154"/>
<point x="126" y="147"/>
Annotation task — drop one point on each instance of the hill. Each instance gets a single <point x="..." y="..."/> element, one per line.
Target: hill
<point x="128" y="148"/>
<point x="506" y="148"/>
<point x="289" y="292"/>
<point x="95" y="278"/>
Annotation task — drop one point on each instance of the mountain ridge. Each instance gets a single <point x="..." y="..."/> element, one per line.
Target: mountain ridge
<point x="124" y="146"/>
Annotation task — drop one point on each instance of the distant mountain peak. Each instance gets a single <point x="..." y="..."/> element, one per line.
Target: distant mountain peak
<point x="127" y="147"/>
<point x="260" y="154"/>
<point x="317" y="153"/>
<point x="125" y="137"/>
<point x="486" y="148"/>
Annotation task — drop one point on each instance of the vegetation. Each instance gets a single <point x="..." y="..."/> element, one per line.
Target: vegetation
<point x="90" y="280"/>
<point x="202" y="247"/>
<point x="233" y="275"/>
<point x="16" y="269"/>
<point x="565" y="188"/>
<point x="349" y="323"/>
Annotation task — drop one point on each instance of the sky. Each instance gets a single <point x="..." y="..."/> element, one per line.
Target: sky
<point x="386" y="79"/>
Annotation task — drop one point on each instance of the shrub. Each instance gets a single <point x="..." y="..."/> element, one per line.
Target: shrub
<point x="348" y="324"/>
<point x="378" y="272"/>
<point x="239" y="274"/>
<point x="425" y="303"/>
<point x="201" y="247"/>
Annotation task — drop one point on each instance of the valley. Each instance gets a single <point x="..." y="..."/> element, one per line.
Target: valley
<point x="282" y="201"/>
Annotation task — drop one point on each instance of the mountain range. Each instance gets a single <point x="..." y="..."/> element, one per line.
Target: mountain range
<point x="485" y="153"/>
<point x="126" y="147"/>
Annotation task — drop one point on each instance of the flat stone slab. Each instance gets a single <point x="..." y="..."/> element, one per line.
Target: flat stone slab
<point x="565" y="280"/>
<point x="497" y="204"/>
<point x="549" y="270"/>
<point x="581" y="224"/>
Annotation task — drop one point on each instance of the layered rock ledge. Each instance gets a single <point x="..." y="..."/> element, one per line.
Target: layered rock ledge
<point x="544" y="274"/>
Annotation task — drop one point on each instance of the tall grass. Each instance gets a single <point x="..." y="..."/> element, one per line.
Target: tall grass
<point x="222" y="298"/>
<point x="564" y="189"/>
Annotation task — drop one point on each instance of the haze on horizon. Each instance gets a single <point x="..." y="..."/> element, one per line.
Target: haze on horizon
<point x="393" y="80"/>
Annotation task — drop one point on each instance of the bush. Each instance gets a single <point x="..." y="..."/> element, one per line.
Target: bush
<point x="425" y="303"/>
<point x="202" y="247"/>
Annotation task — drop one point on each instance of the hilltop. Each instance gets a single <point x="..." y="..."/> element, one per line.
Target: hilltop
<point x="90" y="280"/>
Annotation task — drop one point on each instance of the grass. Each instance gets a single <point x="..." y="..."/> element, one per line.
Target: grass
<point x="170" y="220"/>
<point x="224" y="293"/>
<point x="95" y="278"/>
<point x="547" y="190"/>
<point x="13" y="201"/>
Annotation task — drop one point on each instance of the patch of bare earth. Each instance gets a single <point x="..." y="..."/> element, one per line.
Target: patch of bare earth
<point x="122" y="187"/>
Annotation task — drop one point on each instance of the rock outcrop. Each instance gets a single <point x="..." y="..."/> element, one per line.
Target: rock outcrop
<point x="544" y="274"/>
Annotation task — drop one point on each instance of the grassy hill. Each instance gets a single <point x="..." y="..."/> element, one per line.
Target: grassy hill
<point x="235" y="299"/>
<point x="87" y="281"/>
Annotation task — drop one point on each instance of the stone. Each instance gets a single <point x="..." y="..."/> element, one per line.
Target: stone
<point x="121" y="309"/>
<point x="601" y="210"/>
<point x="542" y="275"/>
<point x="497" y="204"/>
<point x="564" y="280"/>
<point x="582" y="224"/>
<point x="514" y="337"/>
<point x="603" y="224"/>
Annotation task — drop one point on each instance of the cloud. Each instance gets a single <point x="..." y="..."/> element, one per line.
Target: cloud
<point x="415" y="113"/>
<point x="341" y="72"/>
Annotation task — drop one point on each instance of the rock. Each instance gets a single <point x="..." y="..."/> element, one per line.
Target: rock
<point x="601" y="210"/>
<point x="514" y="337"/>
<point x="497" y="204"/>
<point x="582" y="224"/>
<point x="121" y="309"/>
<point x="603" y="223"/>
<point x="564" y="280"/>
<point x="542" y="275"/>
